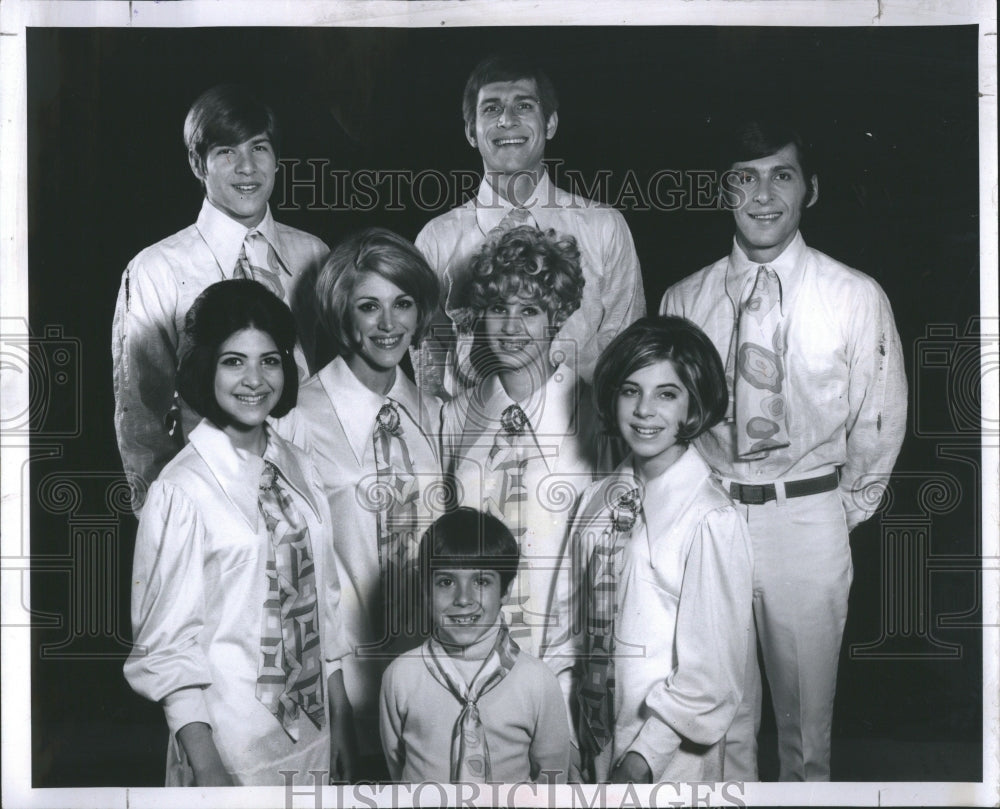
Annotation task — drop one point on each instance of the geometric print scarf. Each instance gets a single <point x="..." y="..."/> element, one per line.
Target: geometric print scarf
<point x="470" y="755"/>
<point x="249" y="264"/>
<point x="289" y="675"/>
<point x="597" y="686"/>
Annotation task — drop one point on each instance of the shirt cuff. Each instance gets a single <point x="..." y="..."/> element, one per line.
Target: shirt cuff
<point x="657" y="742"/>
<point x="184" y="706"/>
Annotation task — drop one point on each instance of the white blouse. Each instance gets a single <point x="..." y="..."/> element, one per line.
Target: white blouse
<point x="334" y="422"/>
<point x="198" y="591"/>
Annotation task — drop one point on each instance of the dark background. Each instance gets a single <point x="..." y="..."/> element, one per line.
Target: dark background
<point x="893" y="115"/>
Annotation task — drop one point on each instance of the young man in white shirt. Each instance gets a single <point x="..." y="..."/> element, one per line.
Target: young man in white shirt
<point x="817" y="416"/>
<point x="511" y="110"/>
<point x="232" y="141"/>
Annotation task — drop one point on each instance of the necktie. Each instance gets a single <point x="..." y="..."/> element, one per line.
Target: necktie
<point x="508" y="460"/>
<point x="396" y="502"/>
<point x="597" y="689"/>
<point x="761" y="418"/>
<point x="470" y="755"/>
<point x="515" y="217"/>
<point x="289" y="675"/>
<point x="259" y="262"/>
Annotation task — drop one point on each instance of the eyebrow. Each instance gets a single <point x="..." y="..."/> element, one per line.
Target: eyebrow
<point x="496" y="99"/>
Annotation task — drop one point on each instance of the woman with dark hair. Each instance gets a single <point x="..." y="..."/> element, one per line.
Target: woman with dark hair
<point x="235" y="595"/>
<point x="373" y="438"/>
<point x="659" y="544"/>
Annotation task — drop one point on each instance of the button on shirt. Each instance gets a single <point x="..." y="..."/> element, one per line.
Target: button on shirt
<point x="157" y="289"/>
<point x="613" y="295"/>
<point x="845" y="383"/>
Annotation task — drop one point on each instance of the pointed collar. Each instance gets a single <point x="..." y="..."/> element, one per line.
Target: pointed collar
<point x="224" y="236"/>
<point x="491" y="208"/>
<point x="238" y="472"/>
<point x="665" y="498"/>
<point x="789" y="266"/>
<point x="357" y="407"/>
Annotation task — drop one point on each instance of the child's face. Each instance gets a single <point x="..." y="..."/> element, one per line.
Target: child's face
<point x="651" y="404"/>
<point x="465" y="604"/>
<point x="518" y="332"/>
<point x="249" y="380"/>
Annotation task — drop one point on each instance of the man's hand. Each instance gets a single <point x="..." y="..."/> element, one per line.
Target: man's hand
<point x="632" y="769"/>
<point x="343" y="742"/>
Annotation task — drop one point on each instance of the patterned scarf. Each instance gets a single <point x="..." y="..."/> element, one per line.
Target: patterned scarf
<point x="290" y="672"/>
<point x="470" y="755"/>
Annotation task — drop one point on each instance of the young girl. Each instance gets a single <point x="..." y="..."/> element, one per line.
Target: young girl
<point x="662" y="569"/>
<point x="372" y="437"/>
<point x="235" y="596"/>
<point x="525" y="442"/>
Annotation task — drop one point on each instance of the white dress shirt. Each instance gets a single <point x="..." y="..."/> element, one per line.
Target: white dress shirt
<point x="158" y="287"/>
<point x="198" y="590"/>
<point x="845" y="386"/>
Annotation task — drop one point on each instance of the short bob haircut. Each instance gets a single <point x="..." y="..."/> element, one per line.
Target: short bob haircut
<point x="529" y="262"/>
<point x="754" y="139"/>
<point x="463" y="539"/>
<point x="223" y="309"/>
<point x="694" y="358"/>
<point x="384" y="253"/>
<point x="226" y="115"/>
<point x="507" y="67"/>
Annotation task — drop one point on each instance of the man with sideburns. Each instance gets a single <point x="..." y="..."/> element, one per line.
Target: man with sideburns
<point x="232" y="142"/>
<point x="816" y="419"/>
<point x="510" y="108"/>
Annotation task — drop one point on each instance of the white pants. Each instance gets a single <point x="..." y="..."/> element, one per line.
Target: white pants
<point x="802" y="577"/>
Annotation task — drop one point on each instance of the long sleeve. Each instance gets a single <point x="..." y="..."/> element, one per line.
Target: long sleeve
<point x="144" y="353"/>
<point x="877" y="397"/>
<point x="391" y="725"/>
<point x="550" y="743"/>
<point x="168" y="663"/>
<point x="698" y="699"/>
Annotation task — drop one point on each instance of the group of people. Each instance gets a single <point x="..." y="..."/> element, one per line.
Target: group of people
<point x="567" y="546"/>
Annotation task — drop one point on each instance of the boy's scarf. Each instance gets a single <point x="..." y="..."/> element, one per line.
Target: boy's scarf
<point x="470" y="756"/>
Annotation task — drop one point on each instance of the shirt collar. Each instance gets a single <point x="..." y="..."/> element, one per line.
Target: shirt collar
<point x="789" y="266"/>
<point x="238" y="472"/>
<point x="666" y="497"/>
<point x="491" y="208"/>
<point x="357" y="407"/>
<point x="224" y="236"/>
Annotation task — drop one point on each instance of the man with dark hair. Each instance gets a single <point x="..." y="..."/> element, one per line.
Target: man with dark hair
<point x="232" y="143"/>
<point x="816" y="418"/>
<point x="511" y="110"/>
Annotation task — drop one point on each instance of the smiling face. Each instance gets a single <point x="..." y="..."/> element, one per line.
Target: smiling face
<point x="383" y="321"/>
<point x="650" y="406"/>
<point x="465" y="604"/>
<point x="239" y="178"/>
<point x="774" y="194"/>
<point x="518" y="333"/>
<point x="249" y="379"/>
<point x="510" y="129"/>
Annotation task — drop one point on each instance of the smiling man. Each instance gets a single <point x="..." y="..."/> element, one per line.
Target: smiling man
<point x="816" y="418"/>
<point x="232" y="144"/>
<point x="511" y="111"/>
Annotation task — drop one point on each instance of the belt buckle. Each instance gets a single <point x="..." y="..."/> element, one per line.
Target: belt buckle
<point x="753" y="495"/>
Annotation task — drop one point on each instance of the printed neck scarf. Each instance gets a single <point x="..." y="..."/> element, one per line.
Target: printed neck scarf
<point x="470" y="755"/>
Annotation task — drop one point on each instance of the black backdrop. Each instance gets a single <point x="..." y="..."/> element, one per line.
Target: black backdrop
<point x="893" y="114"/>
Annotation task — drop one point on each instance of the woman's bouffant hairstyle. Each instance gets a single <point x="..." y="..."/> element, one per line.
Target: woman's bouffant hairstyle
<point x="465" y="538"/>
<point x="227" y="114"/>
<point x="529" y="262"/>
<point x="219" y="312"/>
<point x="694" y="358"/>
<point x="384" y="253"/>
